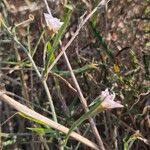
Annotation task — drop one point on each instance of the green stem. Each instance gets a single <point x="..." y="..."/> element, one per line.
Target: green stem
<point x="36" y="70"/>
<point x="50" y="100"/>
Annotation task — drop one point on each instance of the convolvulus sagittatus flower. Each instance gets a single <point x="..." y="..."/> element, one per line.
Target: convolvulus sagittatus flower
<point x="54" y="24"/>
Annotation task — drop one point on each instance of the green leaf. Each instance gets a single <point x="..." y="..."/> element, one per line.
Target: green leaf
<point x="102" y="41"/>
<point x="41" y="130"/>
<point x="58" y="38"/>
<point x="31" y="119"/>
<point x="81" y="70"/>
<point x="90" y="113"/>
<point x="129" y="142"/>
<point x="50" y="52"/>
<point x="69" y="6"/>
<point x="9" y="142"/>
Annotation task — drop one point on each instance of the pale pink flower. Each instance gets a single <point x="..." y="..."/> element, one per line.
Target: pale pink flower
<point x="53" y="23"/>
<point x="108" y="100"/>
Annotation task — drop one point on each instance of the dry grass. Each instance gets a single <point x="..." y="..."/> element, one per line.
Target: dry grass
<point x="104" y="48"/>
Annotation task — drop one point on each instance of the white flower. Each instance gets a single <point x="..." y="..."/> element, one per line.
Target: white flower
<point x="53" y="23"/>
<point x="108" y="100"/>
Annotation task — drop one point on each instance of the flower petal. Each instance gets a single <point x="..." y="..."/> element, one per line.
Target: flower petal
<point x="108" y="100"/>
<point x="53" y="23"/>
<point x="109" y="104"/>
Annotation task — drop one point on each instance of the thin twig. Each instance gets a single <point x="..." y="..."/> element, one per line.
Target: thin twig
<point x="84" y="103"/>
<point x="101" y="4"/>
<point x="47" y="7"/>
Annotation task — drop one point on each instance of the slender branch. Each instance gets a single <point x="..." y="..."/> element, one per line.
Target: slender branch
<point x="43" y="81"/>
<point x="84" y="103"/>
<point x="101" y="4"/>
<point x="50" y="100"/>
<point x="35" y="68"/>
<point x="47" y="7"/>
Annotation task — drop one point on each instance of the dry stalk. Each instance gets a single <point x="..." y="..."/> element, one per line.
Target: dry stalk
<point x="101" y="4"/>
<point x="31" y="113"/>
<point x="84" y="103"/>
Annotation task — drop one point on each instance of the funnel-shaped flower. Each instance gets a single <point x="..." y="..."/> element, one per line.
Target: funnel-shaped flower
<point x="108" y="100"/>
<point x="53" y="23"/>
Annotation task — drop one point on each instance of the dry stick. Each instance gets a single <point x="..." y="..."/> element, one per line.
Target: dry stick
<point x="31" y="113"/>
<point x="101" y="4"/>
<point x="84" y="104"/>
<point x="47" y="7"/>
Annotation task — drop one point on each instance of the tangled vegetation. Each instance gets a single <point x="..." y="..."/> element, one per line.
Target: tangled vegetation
<point x="75" y="75"/>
